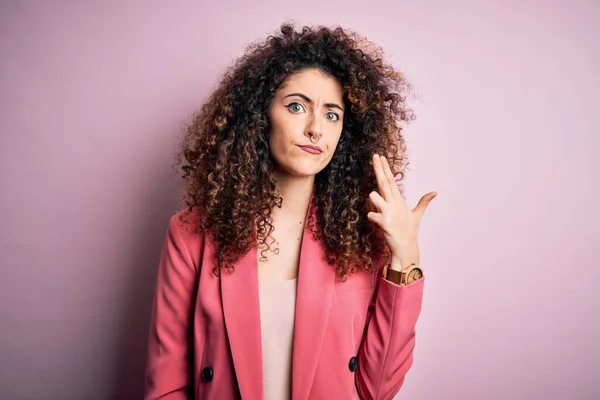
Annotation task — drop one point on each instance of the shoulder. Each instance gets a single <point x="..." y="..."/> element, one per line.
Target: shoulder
<point x="186" y="223"/>
<point x="183" y="237"/>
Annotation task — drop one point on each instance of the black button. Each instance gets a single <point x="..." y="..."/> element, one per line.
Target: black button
<point x="207" y="374"/>
<point x="353" y="364"/>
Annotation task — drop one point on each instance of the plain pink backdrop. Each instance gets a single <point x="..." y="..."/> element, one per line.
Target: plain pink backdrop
<point x="93" y="96"/>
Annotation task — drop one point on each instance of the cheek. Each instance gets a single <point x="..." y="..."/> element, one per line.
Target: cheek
<point x="334" y="143"/>
<point x="282" y="130"/>
<point x="279" y="145"/>
<point x="276" y="141"/>
<point x="275" y="131"/>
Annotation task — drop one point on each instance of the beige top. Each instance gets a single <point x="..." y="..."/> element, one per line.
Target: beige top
<point x="277" y="308"/>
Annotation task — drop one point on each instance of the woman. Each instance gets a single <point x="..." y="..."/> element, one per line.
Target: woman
<point x="293" y="272"/>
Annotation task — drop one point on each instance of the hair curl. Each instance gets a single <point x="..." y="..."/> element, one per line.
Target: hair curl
<point x="225" y="149"/>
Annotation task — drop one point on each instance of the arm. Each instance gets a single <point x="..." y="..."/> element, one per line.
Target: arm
<point x="168" y="367"/>
<point x="386" y="352"/>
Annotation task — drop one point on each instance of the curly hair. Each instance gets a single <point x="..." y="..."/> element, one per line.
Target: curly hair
<point x="227" y="166"/>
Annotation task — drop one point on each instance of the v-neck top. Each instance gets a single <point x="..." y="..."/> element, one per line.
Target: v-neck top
<point x="277" y="308"/>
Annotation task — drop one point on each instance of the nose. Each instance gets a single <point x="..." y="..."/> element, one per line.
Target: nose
<point x="314" y="127"/>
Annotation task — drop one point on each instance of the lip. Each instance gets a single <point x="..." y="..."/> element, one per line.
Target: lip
<point x="311" y="149"/>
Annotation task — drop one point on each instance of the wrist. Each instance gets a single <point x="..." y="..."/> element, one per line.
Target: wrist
<point x="403" y="277"/>
<point x="399" y="264"/>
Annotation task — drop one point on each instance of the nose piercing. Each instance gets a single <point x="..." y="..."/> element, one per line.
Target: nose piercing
<point x="312" y="139"/>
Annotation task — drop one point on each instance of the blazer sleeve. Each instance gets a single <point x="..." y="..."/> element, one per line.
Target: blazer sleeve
<point x="386" y="351"/>
<point x="168" y="365"/>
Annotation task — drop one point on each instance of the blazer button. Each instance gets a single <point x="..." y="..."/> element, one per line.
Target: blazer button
<point x="353" y="364"/>
<point x="207" y="374"/>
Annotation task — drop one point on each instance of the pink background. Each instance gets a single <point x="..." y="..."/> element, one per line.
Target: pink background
<point x="93" y="98"/>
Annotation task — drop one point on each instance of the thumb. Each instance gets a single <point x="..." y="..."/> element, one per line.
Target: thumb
<point x="420" y="208"/>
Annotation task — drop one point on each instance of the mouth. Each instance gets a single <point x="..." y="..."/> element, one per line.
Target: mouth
<point x="312" y="149"/>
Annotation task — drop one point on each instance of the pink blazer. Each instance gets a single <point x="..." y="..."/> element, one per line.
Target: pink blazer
<point x="352" y="339"/>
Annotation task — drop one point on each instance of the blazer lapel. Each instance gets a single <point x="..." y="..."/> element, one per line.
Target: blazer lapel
<point x="241" y="309"/>
<point x="313" y="304"/>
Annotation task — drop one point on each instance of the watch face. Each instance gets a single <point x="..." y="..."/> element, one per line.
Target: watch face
<point x="414" y="275"/>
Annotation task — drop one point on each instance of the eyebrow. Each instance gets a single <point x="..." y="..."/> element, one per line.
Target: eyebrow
<point x="308" y="100"/>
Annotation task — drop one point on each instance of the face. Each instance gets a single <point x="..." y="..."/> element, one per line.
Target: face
<point x="308" y="104"/>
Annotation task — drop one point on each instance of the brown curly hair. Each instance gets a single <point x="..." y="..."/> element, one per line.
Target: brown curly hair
<point x="225" y="149"/>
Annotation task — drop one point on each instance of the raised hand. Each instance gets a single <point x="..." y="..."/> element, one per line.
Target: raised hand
<point x="400" y="224"/>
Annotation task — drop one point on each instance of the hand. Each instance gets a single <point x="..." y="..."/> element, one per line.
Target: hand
<point x="399" y="224"/>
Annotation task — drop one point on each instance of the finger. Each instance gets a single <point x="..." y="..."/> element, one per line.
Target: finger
<point x="382" y="184"/>
<point x="420" y="208"/>
<point x="390" y="178"/>
<point x="376" y="218"/>
<point x="378" y="201"/>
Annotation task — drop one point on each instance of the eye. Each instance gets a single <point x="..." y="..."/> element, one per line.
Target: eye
<point x="332" y="116"/>
<point x="295" y="107"/>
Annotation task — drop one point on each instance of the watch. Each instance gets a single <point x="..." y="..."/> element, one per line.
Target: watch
<point x="405" y="277"/>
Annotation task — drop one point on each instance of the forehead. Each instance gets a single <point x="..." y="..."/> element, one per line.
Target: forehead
<point x="314" y="83"/>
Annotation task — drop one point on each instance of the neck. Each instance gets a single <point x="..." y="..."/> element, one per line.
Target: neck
<point x="296" y="192"/>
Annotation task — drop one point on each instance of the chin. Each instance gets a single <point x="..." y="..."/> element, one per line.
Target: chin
<point x="302" y="169"/>
<point x="302" y="173"/>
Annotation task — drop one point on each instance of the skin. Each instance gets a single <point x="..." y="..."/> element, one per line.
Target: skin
<point x="310" y="103"/>
<point x="399" y="223"/>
